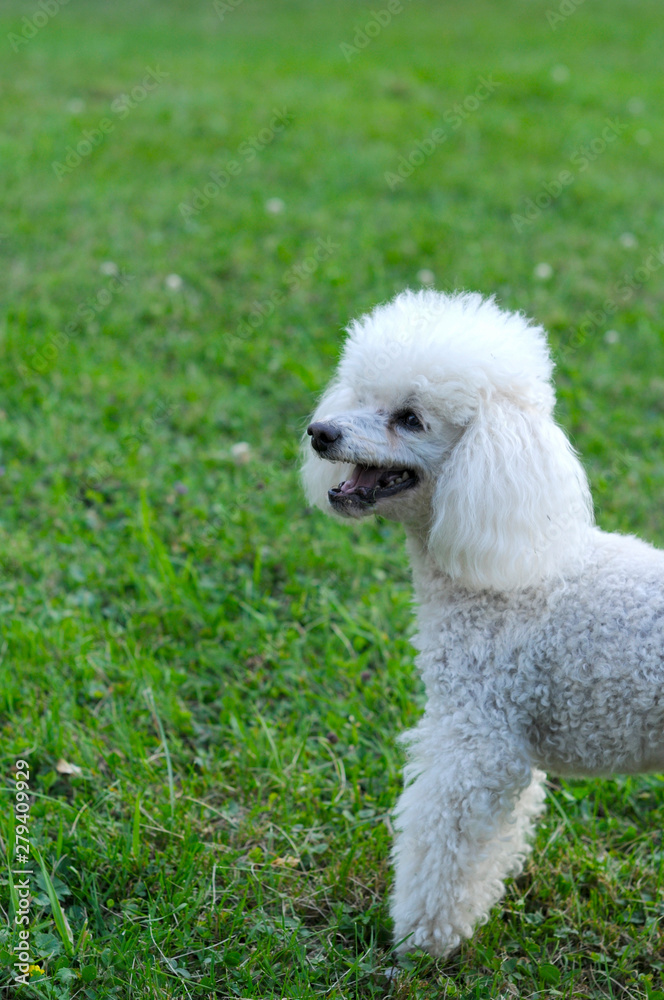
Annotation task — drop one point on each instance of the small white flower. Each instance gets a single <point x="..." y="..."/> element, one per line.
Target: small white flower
<point x="241" y="452"/>
<point x="174" y="282"/>
<point x="64" y="767"/>
<point x="109" y="268"/>
<point x="543" y="271"/>
<point x="425" y="276"/>
<point x="628" y="241"/>
<point x="75" y="106"/>
<point x="560" y="74"/>
<point x="274" y="206"/>
<point x="643" y="137"/>
<point x="636" y="106"/>
<point x="611" y="337"/>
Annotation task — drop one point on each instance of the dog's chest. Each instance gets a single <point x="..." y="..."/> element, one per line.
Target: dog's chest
<point x="484" y="648"/>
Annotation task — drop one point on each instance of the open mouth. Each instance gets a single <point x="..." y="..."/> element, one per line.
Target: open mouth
<point x="367" y="485"/>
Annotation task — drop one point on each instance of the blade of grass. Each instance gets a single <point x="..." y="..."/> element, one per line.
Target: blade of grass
<point x="13" y="898"/>
<point x="149" y="697"/>
<point x="59" y="917"/>
<point x="136" y="828"/>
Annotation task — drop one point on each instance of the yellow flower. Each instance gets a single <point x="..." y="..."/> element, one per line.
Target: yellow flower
<point x="36" y="970"/>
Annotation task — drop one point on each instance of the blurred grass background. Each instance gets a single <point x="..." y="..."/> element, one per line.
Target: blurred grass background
<point x="225" y="670"/>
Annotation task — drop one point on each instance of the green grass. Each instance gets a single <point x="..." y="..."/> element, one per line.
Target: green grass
<point x="226" y="669"/>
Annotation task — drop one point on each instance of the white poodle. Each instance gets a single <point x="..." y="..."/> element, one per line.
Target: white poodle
<point x="541" y="638"/>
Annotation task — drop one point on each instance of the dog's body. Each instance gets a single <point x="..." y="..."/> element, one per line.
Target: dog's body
<point x="541" y="638"/>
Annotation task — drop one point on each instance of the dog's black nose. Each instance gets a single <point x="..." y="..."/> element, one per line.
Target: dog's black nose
<point x="323" y="435"/>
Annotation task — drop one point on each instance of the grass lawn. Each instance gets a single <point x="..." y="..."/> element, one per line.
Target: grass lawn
<point x="205" y="678"/>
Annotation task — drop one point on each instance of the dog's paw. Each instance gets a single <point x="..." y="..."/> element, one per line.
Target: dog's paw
<point x="438" y="941"/>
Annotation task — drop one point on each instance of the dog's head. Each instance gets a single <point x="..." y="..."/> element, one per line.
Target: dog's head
<point x="440" y="415"/>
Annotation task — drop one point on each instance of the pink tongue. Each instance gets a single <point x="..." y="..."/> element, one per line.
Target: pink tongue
<point x="361" y="477"/>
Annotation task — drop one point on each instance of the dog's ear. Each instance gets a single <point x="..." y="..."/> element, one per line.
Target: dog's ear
<point x="512" y="501"/>
<point x="319" y="475"/>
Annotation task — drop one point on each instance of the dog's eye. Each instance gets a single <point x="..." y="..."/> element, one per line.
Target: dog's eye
<point x="410" y="420"/>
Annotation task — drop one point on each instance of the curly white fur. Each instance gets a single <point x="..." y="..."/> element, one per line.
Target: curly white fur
<point x="541" y="638"/>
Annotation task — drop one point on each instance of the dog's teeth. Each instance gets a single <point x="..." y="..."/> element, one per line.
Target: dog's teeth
<point x="393" y="478"/>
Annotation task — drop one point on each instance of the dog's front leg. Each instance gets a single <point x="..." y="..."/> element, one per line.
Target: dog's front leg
<point x="462" y="825"/>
